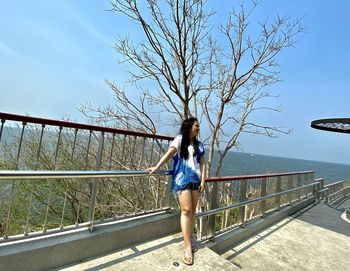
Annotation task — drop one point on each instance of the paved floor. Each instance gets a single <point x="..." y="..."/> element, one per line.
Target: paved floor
<point x="313" y="239"/>
<point x="316" y="239"/>
<point x="161" y="254"/>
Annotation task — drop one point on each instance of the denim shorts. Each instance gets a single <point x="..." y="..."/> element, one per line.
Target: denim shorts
<point x="190" y="186"/>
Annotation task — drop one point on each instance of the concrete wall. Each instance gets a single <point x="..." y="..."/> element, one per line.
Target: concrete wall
<point x="69" y="247"/>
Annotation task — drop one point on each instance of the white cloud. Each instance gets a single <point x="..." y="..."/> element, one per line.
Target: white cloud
<point x="7" y="50"/>
<point x="86" y="25"/>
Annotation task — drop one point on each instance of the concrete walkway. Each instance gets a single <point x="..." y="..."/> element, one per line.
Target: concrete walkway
<point x="313" y="239"/>
<point x="162" y="254"/>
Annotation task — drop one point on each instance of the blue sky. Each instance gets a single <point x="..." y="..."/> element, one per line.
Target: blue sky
<point x="55" y="56"/>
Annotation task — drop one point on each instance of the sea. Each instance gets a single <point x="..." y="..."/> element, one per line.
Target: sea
<point x="238" y="163"/>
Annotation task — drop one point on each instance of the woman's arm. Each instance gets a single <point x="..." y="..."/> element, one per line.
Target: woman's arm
<point x="203" y="173"/>
<point x="170" y="153"/>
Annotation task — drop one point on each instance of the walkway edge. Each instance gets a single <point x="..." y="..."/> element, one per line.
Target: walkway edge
<point x="226" y="241"/>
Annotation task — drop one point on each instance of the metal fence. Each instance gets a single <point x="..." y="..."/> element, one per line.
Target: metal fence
<point x="27" y="216"/>
<point x="336" y="191"/>
<point x="41" y="203"/>
<point x="57" y="175"/>
<point x="35" y="143"/>
<point x="241" y="199"/>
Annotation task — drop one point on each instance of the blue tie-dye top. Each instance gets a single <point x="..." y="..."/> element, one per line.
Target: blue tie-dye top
<point x="185" y="171"/>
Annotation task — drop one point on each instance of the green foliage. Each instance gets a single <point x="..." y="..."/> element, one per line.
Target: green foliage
<point x="52" y="203"/>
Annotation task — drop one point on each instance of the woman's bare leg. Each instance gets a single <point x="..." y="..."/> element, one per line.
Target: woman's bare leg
<point x="185" y="199"/>
<point x="195" y="197"/>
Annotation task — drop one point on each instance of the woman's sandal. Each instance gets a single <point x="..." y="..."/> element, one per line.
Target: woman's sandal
<point x="187" y="257"/>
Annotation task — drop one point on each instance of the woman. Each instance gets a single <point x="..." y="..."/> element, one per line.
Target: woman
<point x="188" y="178"/>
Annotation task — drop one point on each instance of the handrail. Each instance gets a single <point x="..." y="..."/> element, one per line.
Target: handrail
<point x="67" y="124"/>
<point x="339" y="191"/>
<point x="42" y="144"/>
<point x="318" y="179"/>
<point x="333" y="184"/>
<point x="49" y="174"/>
<point x="255" y="176"/>
<point x="240" y="204"/>
<point x="97" y="150"/>
<point x="96" y="174"/>
<point x="32" y="175"/>
<point x="46" y="174"/>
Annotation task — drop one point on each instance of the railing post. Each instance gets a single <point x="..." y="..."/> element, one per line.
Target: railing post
<point x="312" y="177"/>
<point x="278" y="189"/>
<point x="262" y="194"/>
<point x="94" y="182"/>
<point x="2" y="127"/>
<point x="298" y="185"/>
<point x="213" y="205"/>
<point x="170" y="197"/>
<point x="290" y="186"/>
<point x="315" y="191"/>
<point x="242" y="197"/>
<point x="310" y="180"/>
<point x="322" y="189"/>
<point x="13" y="185"/>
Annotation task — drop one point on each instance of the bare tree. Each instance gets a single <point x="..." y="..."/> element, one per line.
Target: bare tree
<point x="240" y="73"/>
<point x="220" y="74"/>
<point x="170" y="55"/>
<point x="124" y="113"/>
<point x="239" y="77"/>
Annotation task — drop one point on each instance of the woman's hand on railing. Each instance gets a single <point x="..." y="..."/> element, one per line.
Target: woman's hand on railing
<point x="171" y="152"/>
<point x="201" y="187"/>
<point x="152" y="169"/>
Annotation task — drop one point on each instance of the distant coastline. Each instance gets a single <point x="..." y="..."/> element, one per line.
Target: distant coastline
<point x="238" y="163"/>
<point x="303" y="159"/>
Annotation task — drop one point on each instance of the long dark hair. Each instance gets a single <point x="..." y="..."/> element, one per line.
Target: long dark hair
<point x="185" y="141"/>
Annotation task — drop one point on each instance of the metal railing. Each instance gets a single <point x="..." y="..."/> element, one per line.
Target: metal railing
<point x="62" y="175"/>
<point x="250" y="197"/>
<point x="43" y="202"/>
<point x="335" y="191"/>
<point x="244" y="198"/>
<point x="36" y="143"/>
<point x="58" y="215"/>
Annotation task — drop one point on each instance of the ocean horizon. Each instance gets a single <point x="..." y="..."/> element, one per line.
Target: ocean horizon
<point x="239" y="163"/>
